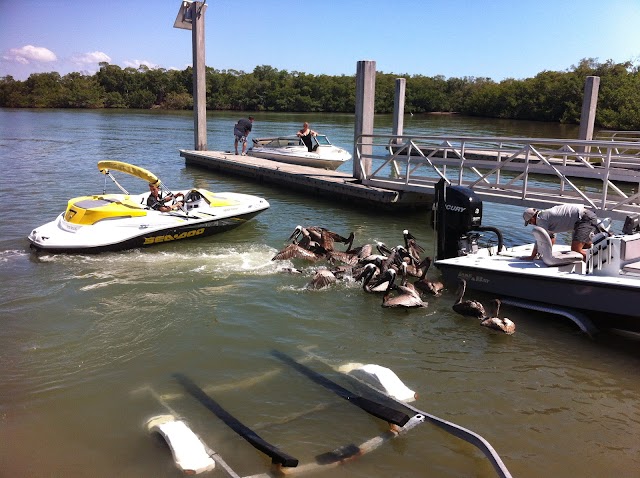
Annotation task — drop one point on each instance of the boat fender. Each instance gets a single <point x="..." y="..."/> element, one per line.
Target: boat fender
<point x="380" y="378"/>
<point x="189" y="452"/>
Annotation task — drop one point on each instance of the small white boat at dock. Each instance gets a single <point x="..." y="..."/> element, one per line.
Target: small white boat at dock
<point x="291" y="149"/>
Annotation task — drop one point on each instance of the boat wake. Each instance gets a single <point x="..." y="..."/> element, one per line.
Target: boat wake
<point x="220" y="261"/>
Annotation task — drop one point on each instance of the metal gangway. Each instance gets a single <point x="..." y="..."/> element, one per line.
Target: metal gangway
<point x="529" y="172"/>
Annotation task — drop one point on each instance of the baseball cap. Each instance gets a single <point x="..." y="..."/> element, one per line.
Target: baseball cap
<point x="528" y="214"/>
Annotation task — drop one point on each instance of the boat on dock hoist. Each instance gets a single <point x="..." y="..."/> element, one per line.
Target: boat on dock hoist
<point x="602" y="292"/>
<point x="378" y="391"/>
<point x="113" y="222"/>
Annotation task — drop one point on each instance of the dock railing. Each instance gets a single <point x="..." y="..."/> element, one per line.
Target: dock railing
<point x="532" y="172"/>
<point x="629" y="158"/>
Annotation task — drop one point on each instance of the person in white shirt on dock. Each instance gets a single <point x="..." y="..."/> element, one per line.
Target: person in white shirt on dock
<point x="564" y="218"/>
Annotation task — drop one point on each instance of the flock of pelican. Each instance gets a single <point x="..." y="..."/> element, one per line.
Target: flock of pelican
<point x="382" y="270"/>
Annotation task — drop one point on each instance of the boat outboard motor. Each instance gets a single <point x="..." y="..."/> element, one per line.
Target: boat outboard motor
<point x="457" y="212"/>
<point x="458" y="218"/>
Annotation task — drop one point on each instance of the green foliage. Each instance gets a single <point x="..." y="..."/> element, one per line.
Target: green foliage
<point x="549" y="96"/>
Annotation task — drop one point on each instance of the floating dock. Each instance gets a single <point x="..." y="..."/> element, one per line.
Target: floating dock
<point x="323" y="183"/>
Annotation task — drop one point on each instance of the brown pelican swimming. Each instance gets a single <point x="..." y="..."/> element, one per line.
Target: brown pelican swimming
<point x="414" y="267"/>
<point x="294" y="251"/>
<point x="362" y="251"/>
<point x="501" y="324"/>
<point x="415" y="249"/>
<point x="322" y="278"/>
<point x="426" y="285"/>
<point x="344" y="272"/>
<point x="324" y="237"/>
<point x="373" y="283"/>
<point x="383" y="253"/>
<point x="470" y="308"/>
<point x="405" y="295"/>
<point x="344" y="257"/>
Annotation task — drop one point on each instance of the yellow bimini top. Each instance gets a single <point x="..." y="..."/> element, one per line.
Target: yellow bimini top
<point x="138" y="172"/>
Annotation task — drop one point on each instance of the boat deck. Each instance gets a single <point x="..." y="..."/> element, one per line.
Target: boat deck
<point x="318" y="182"/>
<point x="510" y="262"/>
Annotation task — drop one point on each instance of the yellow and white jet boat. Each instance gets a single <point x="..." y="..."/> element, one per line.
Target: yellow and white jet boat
<point x="112" y="222"/>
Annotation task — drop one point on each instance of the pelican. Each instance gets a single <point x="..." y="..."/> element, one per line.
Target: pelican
<point x="360" y="272"/>
<point x="343" y="272"/>
<point x="501" y="324"/>
<point x="294" y="251"/>
<point x="412" y="246"/>
<point x="426" y="285"/>
<point x="321" y="235"/>
<point x="406" y="297"/>
<point x="344" y="257"/>
<point x="470" y="308"/>
<point x="381" y="282"/>
<point x="414" y="267"/>
<point x="322" y="278"/>
<point x="362" y="251"/>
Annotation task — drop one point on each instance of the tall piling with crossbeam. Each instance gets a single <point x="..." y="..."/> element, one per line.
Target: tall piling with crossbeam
<point x="191" y="17"/>
<point x="199" y="78"/>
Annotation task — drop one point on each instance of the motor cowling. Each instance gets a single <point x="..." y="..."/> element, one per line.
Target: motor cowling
<point x="457" y="212"/>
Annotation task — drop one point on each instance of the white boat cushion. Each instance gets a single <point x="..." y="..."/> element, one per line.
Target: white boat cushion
<point x="545" y="249"/>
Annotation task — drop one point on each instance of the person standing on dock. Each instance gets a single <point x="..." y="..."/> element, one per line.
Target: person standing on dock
<point x="305" y="135"/>
<point x="241" y="130"/>
<point x="564" y="218"/>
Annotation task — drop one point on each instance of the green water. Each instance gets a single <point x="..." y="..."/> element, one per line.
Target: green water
<point x="82" y="336"/>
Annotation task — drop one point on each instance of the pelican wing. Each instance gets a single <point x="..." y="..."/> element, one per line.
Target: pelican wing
<point x="293" y="251"/>
<point x="322" y="278"/>
<point x="343" y="257"/>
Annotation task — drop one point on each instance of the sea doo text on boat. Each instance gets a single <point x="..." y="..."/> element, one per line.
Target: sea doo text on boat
<point x="111" y="222"/>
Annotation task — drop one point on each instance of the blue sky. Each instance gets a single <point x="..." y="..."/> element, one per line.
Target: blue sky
<point x="454" y="38"/>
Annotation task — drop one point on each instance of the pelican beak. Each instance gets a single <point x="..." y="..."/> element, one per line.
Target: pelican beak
<point x="296" y="232"/>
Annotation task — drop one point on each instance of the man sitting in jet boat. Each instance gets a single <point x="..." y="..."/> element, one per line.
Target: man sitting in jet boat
<point x="157" y="202"/>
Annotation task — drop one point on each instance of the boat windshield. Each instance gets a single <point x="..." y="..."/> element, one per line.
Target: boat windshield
<point x="322" y="140"/>
<point x="282" y="142"/>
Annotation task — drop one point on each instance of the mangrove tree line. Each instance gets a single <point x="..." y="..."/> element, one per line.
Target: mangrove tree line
<point x="549" y="96"/>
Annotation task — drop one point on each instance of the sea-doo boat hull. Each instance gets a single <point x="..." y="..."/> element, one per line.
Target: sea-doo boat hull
<point x="114" y="222"/>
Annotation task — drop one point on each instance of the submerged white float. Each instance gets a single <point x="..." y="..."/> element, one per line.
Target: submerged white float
<point x="189" y="452"/>
<point x="382" y="401"/>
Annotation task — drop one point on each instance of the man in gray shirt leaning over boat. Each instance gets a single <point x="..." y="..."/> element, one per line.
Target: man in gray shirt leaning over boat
<point x="564" y="218"/>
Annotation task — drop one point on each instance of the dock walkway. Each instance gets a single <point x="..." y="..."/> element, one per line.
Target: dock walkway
<point x="311" y="181"/>
<point x="518" y="171"/>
